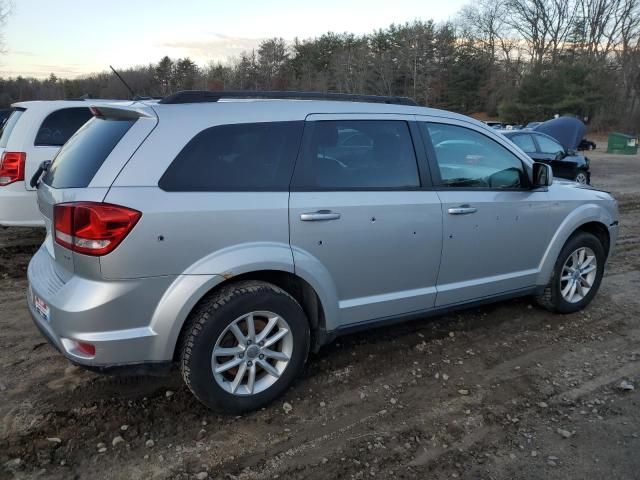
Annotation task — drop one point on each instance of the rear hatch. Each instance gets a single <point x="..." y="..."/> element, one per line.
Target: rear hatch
<point x="85" y="168"/>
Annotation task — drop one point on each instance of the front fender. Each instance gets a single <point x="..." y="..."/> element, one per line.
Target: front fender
<point x="582" y="215"/>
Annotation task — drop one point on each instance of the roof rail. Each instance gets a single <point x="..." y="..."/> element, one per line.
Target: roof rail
<point x="203" y="96"/>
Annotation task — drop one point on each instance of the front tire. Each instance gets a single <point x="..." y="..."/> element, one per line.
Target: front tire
<point x="243" y="346"/>
<point x="576" y="275"/>
<point x="582" y="178"/>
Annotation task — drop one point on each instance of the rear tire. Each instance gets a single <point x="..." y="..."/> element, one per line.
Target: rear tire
<point x="559" y="295"/>
<point x="265" y="358"/>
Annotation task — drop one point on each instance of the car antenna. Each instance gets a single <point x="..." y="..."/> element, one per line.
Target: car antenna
<point x="133" y="95"/>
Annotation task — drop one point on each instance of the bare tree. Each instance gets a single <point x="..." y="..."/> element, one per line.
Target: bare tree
<point x="5" y="11"/>
<point x="543" y="24"/>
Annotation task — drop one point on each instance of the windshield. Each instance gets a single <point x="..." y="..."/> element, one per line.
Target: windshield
<point x="9" y="126"/>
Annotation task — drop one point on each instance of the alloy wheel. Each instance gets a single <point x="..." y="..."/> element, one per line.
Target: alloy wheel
<point x="252" y="353"/>
<point x="581" y="178"/>
<point x="578" y="275"/>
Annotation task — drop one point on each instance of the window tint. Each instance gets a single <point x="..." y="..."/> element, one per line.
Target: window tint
<point x="525" y="142"/>
<point x="246" y="156"/>
<point x="82" y="156"/>
<point x="548" y="145"/>
<point x="466" y="158"/>
<point x="362" y="154"/>
<point x="58" y="127"/>
<point x="8" y="127"/>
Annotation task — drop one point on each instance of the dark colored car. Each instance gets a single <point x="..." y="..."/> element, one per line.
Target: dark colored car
<point x="565" y="162"/>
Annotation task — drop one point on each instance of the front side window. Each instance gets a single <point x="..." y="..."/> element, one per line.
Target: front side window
<point x="359" y="155"/>
<point x="60" y="125"/>
<point x="525" y="142"/>
<point x="548" y="145"/>
<point x="236" y="157"/>
<point x="466" y="158"/>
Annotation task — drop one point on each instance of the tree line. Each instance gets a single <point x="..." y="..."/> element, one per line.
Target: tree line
<point x="517" y="60"/>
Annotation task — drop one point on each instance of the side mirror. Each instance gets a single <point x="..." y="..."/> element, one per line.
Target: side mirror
<point x="560" y="156"/>
<point x="542" y="175"/>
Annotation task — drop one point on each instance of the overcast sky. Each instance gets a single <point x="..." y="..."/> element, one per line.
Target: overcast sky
<point x="73" y="37"/>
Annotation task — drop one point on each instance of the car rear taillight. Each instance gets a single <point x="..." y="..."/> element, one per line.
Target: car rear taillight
<point x="92" y="228"/>
<point x="12" y="167"/>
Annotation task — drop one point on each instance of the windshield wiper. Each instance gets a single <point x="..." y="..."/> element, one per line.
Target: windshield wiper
<point x="35" y="180"/>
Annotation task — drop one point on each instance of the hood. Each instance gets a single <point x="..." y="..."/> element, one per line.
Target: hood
<point x="568" y="131"/>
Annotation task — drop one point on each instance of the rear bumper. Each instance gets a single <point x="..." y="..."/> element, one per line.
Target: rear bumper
<point x="19" y="207"/>
<point x="113" y="316"/>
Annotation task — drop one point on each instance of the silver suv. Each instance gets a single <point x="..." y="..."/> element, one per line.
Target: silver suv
<point x="233" y="235"/>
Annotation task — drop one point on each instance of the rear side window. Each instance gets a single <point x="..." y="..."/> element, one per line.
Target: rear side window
<point x="9" y="125"/>
<point x="548" y="145"/>
<point x="237" y="157"/>
<point x="82" y="156"/>
<point x="359" y="155"/>
<point x="58" y="126"/>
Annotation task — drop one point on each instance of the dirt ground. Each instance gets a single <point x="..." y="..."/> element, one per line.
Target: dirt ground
<point x="507" y="391"/>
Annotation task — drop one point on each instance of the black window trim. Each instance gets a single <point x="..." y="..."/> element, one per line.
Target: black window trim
<point x="435" y="171"/>
<point x="302" y="183"/>
<point x="299" y="123"/>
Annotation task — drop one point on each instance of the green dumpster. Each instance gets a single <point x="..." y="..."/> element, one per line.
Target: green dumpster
<point x="622" y="143"/>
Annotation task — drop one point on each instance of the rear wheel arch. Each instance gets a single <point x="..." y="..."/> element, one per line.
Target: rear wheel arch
<point x="292" y="284"/>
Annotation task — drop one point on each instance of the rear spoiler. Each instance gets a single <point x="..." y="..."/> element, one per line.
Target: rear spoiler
<point x="118" y="113"/>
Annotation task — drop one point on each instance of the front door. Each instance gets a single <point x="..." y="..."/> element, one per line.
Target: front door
<point x="495" y="227"/>
<point x="361" y="219"/>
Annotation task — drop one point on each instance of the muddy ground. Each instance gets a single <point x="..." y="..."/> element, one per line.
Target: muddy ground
<point x="502" y="392"/>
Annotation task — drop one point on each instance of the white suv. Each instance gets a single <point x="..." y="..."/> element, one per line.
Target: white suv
<point x="33" y="133"/>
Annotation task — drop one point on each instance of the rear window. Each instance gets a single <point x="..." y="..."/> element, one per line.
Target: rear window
<point x="58" y="127"/>
<point x="9" y="125"/>
<point x="237" y="157"/>
<point x="82" y="156"/>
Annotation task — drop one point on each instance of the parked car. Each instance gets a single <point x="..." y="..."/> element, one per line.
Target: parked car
<point x="544" y="148"/>
<point x="586" y="145"/>
<point x="532" y="124"/>
<point x="232" y="237"/>
<point x="32" y="134"/>
<point x="494" y="124"/>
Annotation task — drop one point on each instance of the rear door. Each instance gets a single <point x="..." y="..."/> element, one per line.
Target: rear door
<point x="84" y="169"/>
<point x="362" y="216"/>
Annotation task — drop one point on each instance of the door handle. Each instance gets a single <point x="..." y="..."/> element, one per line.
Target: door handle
<point x="319" y="216"/>
<point x="462" y="210"/>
